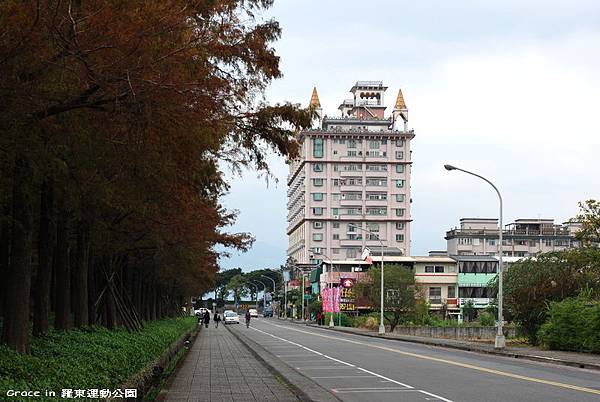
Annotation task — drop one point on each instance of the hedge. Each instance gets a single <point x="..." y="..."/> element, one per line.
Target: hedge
<point x="572" y="324"/>
<point x="91" y="358"/>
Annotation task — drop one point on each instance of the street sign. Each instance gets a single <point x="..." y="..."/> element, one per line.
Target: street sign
<point x="307" y="297"/>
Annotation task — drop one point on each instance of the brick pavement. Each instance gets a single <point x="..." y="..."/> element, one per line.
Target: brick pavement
<point x="220" y="368"/>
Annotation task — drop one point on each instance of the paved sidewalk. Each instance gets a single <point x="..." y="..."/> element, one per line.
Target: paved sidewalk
<point x="574" y="359"/>
<point x="220" y="368"/>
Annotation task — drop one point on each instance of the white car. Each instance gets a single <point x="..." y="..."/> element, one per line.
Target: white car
<point x="231" y="317"/>
<point x="253" y="312"/>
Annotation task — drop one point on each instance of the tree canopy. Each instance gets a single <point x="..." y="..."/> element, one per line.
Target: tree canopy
<point x="116" y="118"/>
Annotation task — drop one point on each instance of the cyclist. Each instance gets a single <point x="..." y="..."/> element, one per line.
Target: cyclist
<point x="247" y="318"/>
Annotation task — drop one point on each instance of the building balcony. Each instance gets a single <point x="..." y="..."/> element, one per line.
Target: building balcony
<point x="478" y="302"/>
<point x="344" y="202"/>
<point x="351" y="173"/>
<point x="348" y="187"/>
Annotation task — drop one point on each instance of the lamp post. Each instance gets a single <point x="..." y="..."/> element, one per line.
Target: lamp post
<point x="381" y="324"/>
<point x="500" y="341"/>
<point x="331" y="324"/>
<point x="303" y="288"/>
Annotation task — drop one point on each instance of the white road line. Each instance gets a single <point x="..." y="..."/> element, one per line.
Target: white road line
<point x="324" y="368"/>
<point x="345" y="376"/>
<point x="435" y="396"/>
<point x="406" y="386"/>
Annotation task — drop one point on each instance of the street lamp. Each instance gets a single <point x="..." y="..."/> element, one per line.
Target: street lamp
<point x="331" y="324"/>
<point x="381" y="324"/>
<point x="500" y="341"/>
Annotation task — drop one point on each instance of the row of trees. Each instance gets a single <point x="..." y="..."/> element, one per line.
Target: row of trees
<point x="531" y="286"/>
<point x="115" y="118"/>
<point x="237" y="283"/>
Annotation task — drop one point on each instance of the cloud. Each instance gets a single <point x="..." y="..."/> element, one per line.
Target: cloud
<point x="508" y="89"/>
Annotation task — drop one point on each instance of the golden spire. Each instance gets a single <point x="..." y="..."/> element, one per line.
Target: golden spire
<point x="314" y="99"/>
<point x="400" y="101"/>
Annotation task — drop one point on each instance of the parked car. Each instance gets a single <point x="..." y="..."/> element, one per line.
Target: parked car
<point x="268" y="311"/>
<point x="253" y="312"/>
<point x="231" y="317"/>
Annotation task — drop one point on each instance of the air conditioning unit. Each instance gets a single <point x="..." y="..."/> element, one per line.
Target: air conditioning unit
<point x="336" y="217"/>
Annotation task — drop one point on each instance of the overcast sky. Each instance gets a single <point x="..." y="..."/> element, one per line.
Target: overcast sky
<point x="509" y="89"/>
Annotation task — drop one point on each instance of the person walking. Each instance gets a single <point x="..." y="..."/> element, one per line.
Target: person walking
<point x="247" y="318"/>
<point x="217" y="319"/>
<point x="206" y="318"/>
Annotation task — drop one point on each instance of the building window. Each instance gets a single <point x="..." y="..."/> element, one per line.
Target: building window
<point x="374" y="144"/>
<point x="400" y="211"/>
<point x="399" y="225"/>
<point x="352" y="228"/>
<point x="376" y="196"/>
<point x="376" y="211"/>
<point x="400" y="142"/>
<point x="491" y="242"/>
<point x="351" y="253"/>
<point x="399" y="183"/>
<point x="399" y="154"/>
<point x="318" y="147"/>
<point x="400" y="238"/>
<point x="451" y="292"/>
<point x="335" y="250"/>
<point x="352" y="196"/>
<point x="335" y="211"/>
<point x="376" y="182"/>
<point x="465" y="240"/>
<point x="376" y="168"/>
<point x="399" y="197"/>
<point x="317" y="196"/>
<point x="373" y="227"/>
<point x="317" y="236"/>
<point x="352" y="153"/>
<point x="351" y="143"/>
<point x="317" y="211"/>
<point x="336" y="225"/>
<point x="384" y="142"/>
<point x="318" y="182"/>
<point x="335" y="182"/>
<point x="336" y="236"/>
<point x="318" y="225"/>
<point x="548" y="242"/>
<point x="335" y="196"/>
<point x="435" y="295"/>
<point x="317" y="167"/>
<point x="399" y="168"/>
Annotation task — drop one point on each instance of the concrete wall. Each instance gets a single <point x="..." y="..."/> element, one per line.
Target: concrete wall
<point x="454" y="332"/>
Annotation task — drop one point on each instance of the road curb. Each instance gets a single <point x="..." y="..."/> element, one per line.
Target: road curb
<point x="522" y="356"/>
<point x="303" y="387"/>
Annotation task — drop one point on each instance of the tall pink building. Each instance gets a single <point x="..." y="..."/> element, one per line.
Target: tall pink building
<point x="353" y="170"/>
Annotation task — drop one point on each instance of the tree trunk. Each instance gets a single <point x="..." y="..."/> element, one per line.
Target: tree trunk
<point x="18" y="279"/>
<point x="63" y="277"/>
<point x="80" y="283"/>
<point x="92" y="293"/>
<point x="4" y="255"/>
<point x="44" y="273"/>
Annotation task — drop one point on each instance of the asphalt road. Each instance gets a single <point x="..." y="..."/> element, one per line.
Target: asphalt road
<point x="358" y="368"/>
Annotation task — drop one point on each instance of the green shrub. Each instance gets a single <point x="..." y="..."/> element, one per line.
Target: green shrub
<point x="572" y="324"/>
<point x="345" y="319"/>
<point x="88" y="358"/>
<point x="486" y="319"/>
